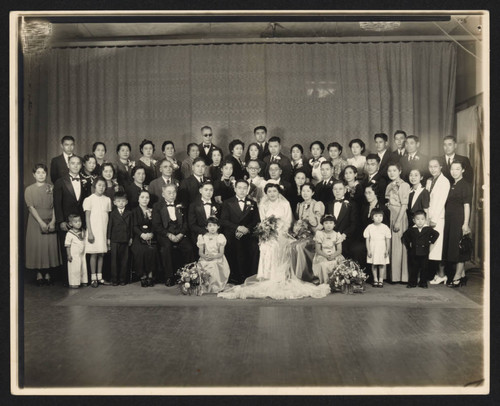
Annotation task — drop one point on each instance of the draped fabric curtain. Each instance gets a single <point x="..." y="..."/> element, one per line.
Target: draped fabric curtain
<point x="301" y="92"/>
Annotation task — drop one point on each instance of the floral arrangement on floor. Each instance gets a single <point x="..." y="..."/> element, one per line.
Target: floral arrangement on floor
<point x="267" y="229"/>
<point x="348" y="277"/>
<point x="193" y="279"/>
<point x="302" y="230"/>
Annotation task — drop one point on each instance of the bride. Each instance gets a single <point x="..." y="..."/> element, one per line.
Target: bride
<point x="275" y="278"/>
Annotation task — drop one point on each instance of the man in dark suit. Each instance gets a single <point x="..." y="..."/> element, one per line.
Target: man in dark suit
<point x="381" y="144"/>
<point x="190" y="187"/>
<point x="260" y="133"/>
<point x="413" y="159"/>
<point x="239" y="216"/>
<point x="450" y="146"/>
<point x="374" y="176"/>
<point x="166" y="177"/>
<point x="399" y="141"/>
<point x="59" y="164"/>
<point x="276" y="156"/>
<point x="346" y="221"/>
<point x="324" y="188"/>
<point x="171" y="229"/>
<point x="201" y="209"/>
<point x="275" y="173"/>
<point x="206" y="147"/>
<point x="68" y="199"/>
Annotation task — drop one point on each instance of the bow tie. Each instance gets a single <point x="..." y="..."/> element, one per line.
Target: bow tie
<point x="338" y="201"/>
<point x="206" y="145"/>
<point x="207" y="204"/>
<point x="170" y="205"/>
<point x="76" y="179"/>
<point x="241" y="201"/>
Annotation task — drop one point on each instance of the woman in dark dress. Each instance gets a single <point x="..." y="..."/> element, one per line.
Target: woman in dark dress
<point x="370" y="203"/>
<point x="299" y="179"/>
<point x="419" y="198"/>
<point x="168" y="149"/>
<point x="214" y="171"/>
<point x="99" y="150"/>
<point x="124" y="165"/>
<point x="299" y="163"/>
<point x="456" y="225"/>
<point x="87" y="174"/>
<point x="354" y="188"/>
<point x="144" y="244"/>
<point x="254" y="151"/>
<point x="236" y="148"/>
<point x="146" y="161"/>
<point x="134" y="189"/>
<point x="224" y="187"/>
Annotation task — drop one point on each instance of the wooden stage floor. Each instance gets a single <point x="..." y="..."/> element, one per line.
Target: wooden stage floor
<point x="132" y="336"/>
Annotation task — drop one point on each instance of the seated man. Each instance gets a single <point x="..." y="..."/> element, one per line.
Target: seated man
<point x="166" y="177"/>
<point x="201" y="209"/>
<point x="170" y="227"/>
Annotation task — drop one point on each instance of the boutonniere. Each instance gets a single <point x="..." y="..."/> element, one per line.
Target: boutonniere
<point x="179" y="206"/>
<point x="416" y="157"/>
<point x="176" y="165"/>
<point x="346" y="203"/>
<point x="154" y="161"/>
<point x="49" y="189"/>
<point x="214" y="210"/>
<point x="83" y="180"/>
<point x="373" y="181"/>
<point x="149" y="214"/>
<point x="130" y="163"/>
<point x="282" y="187"/>
<point x="116" y="186"/>
<point x="233" y="181"/>
<point x="145" y="187"/>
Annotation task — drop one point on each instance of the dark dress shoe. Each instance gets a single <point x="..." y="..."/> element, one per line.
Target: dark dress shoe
<point x="40" y="282"/>
<point x="144" y="283"/>
<point x="94" y="284"/>
<point x="150" y="282"/>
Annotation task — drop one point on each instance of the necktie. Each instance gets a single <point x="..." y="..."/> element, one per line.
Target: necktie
<point x="410" y="158"/>
<point x="74" y="179"/>
<point x="121" y="212"/>
<point x="449" y="163"/>
<point x="433" y="183"/>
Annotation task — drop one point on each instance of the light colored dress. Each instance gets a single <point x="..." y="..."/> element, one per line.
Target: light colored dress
<point x="42" y="251"/>
<point x="303" y="250"/>
<point x="99" y="207"/>
<point x="316" y="169"/>
<point x="377" y="235"/>
<point x="275" y="278"/>
<point x="218" y="268"/>
<point x="321" y="266"/>
<point x="438" y="196"/>
<point x="77" y="268"/>
<point x="397" y="194"/>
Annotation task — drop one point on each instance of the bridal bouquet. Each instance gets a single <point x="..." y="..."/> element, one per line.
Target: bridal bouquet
<point x="302" y="230"/>
<point x="193" y="278"/>
<point x="348" y="277"/>
<point x="267" y="229"/>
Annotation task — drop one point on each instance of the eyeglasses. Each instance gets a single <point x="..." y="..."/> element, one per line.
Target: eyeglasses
<point x="253" y="168"/>
<point x="207" y="135"/>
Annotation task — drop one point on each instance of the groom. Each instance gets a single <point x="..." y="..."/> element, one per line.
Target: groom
<point x="238" y="219"/>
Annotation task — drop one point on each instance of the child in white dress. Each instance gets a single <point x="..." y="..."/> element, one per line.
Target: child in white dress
<point x="212" y="257"/>
<point x="75" y="248"/>
<point x="378" y="241"/>
<point x="97" y="207"/>
<point x="328" y="249"/>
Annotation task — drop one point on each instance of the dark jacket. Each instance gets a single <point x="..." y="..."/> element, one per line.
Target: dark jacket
<point x="58" y="168"/>
<point x="285" y="164"/>
<point x="418" y="243"/>
<point x="189" y="190"/>
<point x="380" y="181"/>
<point x="163" y="224"/>
<point x="232" y="217"/>
<point x="420" y="162"/>
<point x="324" y="193"/>
<point x="119" y="226"/>
<point x="347" y="220"/>
<point x="65" y="202"/>
<point x="205" y="156"/>
<point x="197" y="218"/>
<point x="238" y="170"/>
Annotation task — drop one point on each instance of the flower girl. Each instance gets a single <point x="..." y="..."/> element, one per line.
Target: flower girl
<point x="212" y="257"/>
<point x="328" y="249"/>
<point x="378" y="241"/>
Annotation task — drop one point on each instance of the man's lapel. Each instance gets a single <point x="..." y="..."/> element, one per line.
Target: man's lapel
<point x="69" y="186"/>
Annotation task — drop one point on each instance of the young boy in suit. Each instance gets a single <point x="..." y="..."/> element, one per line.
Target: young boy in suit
<point x="119" y="237"/>
<point x="417" y="240"/>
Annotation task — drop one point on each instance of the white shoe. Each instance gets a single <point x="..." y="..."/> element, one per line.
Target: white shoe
<point x="439" y="279"/>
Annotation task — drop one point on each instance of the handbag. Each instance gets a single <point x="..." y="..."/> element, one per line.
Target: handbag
<point x="466" y="247"/>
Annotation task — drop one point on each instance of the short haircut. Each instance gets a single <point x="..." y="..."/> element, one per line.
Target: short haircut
<point x="216" y="149"/>
<point x="310" y="186"/>
<point x="100" y="179"/>
<point x="275" y="163"/>
<point x="123" y="144"/>
<point x="450" y="137"/>
<point x="319" y="144"/>
<point x="456" y="161"/>
<point x="299" y="147"/>
<point x="436" y="158"/>
<point x="144" y="143"/>
<point x="271" y="185"/>
<point x="399" y="132"/>
<point x="205" y="127"/>
<point x="40" y="166"/>
<point x="260" y="127"/>
<point x="381" y="135"/>
<point x="275" y="139"/>
<point x="373" y="156"/>
<point x="120" y="195"/>
<point x="301" y="170"/>
<point x="413" y="137"/>
<point x="199" y="159"/>
<point x="135" y="169"/>
<point x="338" y="182"/>
<point x="144" y="191"/>
<point x="233" y="144"/>
<point x="358" y="141"/>
<point x="207" y="182"/>
<point x="226" y="162"/>
<point x="373" y="186"/>
<point x="418" y="170"/>
<point x="212" y="220"/>
<point x="96" y="144"/>
<point x="106" y="165"/>
<point x="396" y="164"/>
<point x="329" y="163"/>
<point x="67" y="138"/>
<point x="164" y="187"/>
<point x="75" y="156"/>
<point x="165" y="143"/>
<point x="191" y="145"/>
<point x="88" y="157"/>
<point x="253" y="160"/>
<point x="335" y="145"/>
<point x="162" y="161"/>
<point x="73" y="216"/>
<point x="420" y="213"/>
<point x="327" y="217"/>
<point x="376" y="211"/>
<point x="241" y="181"/>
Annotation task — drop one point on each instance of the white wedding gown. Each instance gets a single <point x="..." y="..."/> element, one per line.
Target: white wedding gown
<point x="275" y="278"/>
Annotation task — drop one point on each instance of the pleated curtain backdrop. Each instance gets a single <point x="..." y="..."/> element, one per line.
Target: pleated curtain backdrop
<point x="301" y="92"/>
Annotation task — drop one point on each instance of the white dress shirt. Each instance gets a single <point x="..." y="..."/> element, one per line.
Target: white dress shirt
<point x="336" y="209"/>
<point x="171" y="212"/>
<point x="66" y="158"/>
<point x="207" y="207"/>
<point x="77" y="185"/>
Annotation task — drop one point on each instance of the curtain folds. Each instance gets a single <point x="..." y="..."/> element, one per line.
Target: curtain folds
<point x="301" y="92"/>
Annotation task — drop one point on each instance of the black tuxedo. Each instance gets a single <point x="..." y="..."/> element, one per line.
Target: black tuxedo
<point x="324" y="193"/>
<point x="197" y="218"/>
<point x="384" y="163"/>
<point x="58" y="168"/>
<point x="347" y="223"/>
<point x="420" y="162"/>
<point x="395" y="157"/>
<point x="206" y="156"/>
<point x="264" y="151"/>
<point x="164" y="225"/>
<point x="189" y="191"/>
<point x="380" y="181"/>
<point x="285" y="164"/>
<point x="418" y="243"/>
<point x="468" y="172"/>
<point x="243" y="253"/>
<point x="119" y="233"/>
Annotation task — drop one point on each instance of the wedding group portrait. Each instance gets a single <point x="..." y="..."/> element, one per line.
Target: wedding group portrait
<point x="251" y="203"/>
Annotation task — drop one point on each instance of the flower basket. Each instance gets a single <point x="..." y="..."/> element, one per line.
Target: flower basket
<point x="193" y="279"/>
<point x="347" y="277"/>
